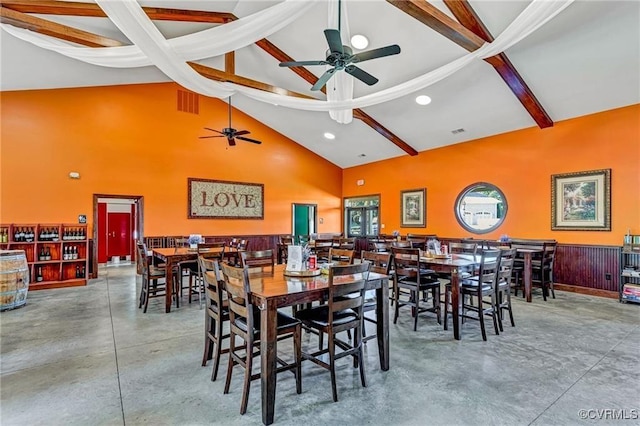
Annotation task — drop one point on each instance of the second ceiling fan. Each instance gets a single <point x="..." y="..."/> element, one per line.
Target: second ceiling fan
<point x="230" y="133"/>
<point x="341" y="57"/>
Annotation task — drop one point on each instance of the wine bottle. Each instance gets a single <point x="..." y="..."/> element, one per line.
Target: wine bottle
<point x="41" y="255"/>
<point x="39" y="274"/>
<point x="77" y="271"/>
<point x="75" y="252"/>
<point x="82" y="272"/>
<point x="48" y="254"/>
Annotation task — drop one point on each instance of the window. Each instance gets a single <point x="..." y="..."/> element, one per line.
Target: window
<point x="480" y="208"/>
<point x="361" y="216"/>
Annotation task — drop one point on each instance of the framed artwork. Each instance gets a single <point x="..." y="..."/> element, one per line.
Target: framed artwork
<point x="581" y="201"/>
<point x="219" y="199"/>
<point x="413" y="209"/>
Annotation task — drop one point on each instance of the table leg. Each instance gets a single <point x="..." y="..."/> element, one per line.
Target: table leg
<point x="169" y="284"/>
<point x="527" y="275"/>
<point x="382" y="323"/>
<point x="455" y="302"/>
<point x="268" y="351"/>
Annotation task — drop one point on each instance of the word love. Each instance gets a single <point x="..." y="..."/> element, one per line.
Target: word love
<point x="224" y="199"/>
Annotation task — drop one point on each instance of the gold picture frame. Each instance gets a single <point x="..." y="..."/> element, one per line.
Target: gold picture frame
<point x="581" y="201"/>
<point x="413" y="208"/>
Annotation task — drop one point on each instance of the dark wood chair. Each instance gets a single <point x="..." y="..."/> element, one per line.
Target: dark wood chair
<point x="216" y="313"/>
<point x="542" y="269"/>
<point x="214" y="250"/>
<point x="345" y="243"/>
<point x="475" y="289"/>
<point x="381" y="264"/>
<point x="343" y="312"/>
<point x="151" y="278"/>
<point x="409" y="280"/>
<point x="402" y="244"/>
<point x="263" y="259"/>
<point x="463" y="248"/>
<point x="503" y="285"/>
<point x="244" y="323"/>
<point x="339" y="256"/>
<point x="320" y="247"/>
<point x="284" y="241"/>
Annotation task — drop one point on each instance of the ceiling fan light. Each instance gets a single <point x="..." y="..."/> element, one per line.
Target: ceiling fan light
<point x="359" y="42"/>
<point x="329" y="136"/>
<point x="423" y="100"/>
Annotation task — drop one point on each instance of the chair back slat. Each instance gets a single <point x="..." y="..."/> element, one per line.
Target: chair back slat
<point x="380" y="262"/>
<point x="463" y="248"/>
<point x="214" y="285"/>
<point x="338" y="291"/>
<point x="340" y="256"/>
<point x="263" y="259"/>
<point x="236" y="283"/>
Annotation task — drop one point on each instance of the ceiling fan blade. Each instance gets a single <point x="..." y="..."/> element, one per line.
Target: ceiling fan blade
<point x="394" y="49"/>
<point x="302" y="63"/>
<point x="334" y="40"/>
<point x="242" y="132"/>
<point x="214" y="130"/>
<point x="232" y="141"/>
<point x="323" y="79"/>
<point x="242" y="138"/>
<point x="361" y="75"/>
<point x="207" y="137"/>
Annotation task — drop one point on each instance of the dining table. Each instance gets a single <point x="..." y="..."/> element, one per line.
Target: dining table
<point x="452" y="265"/>
<point x="171" y="256"/>
<point x="271" y="291"/>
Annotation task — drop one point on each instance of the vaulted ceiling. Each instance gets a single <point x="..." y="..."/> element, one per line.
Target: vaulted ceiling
<point x="585" y="60"/>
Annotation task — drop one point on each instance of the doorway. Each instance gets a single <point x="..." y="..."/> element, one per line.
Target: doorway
<point x="304" y="219"/>
<point x="117" y="224"/>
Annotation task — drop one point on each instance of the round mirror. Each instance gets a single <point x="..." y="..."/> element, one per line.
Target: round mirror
<point x="481" y="208"/>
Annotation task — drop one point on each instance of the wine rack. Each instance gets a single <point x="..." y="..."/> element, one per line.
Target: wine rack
<point x="57" y="253"/>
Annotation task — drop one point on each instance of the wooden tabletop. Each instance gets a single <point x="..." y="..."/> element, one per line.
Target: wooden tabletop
<point x="277" y="285"/>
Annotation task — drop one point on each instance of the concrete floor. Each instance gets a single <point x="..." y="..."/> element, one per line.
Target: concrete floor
<point x="82" y="356"/>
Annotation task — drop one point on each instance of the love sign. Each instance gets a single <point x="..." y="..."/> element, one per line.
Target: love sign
<point x="218" y="199"/>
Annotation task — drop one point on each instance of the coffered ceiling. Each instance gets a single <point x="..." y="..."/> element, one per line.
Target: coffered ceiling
<point x="585" y="60"/>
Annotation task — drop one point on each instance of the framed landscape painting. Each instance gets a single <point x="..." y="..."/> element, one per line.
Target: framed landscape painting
<point x="581" y="201"/>
<point x="413" y="208"/>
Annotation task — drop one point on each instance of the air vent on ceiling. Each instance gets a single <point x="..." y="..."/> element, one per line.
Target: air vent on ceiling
<point x="188" y="102"/>
<point x="456" y="131"/>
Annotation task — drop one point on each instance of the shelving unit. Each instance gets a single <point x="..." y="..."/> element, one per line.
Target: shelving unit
<point x="57" y="254"/>
<point x="630" y="269"/>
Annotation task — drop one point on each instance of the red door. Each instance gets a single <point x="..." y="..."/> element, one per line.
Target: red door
<point x="118" y="234"/>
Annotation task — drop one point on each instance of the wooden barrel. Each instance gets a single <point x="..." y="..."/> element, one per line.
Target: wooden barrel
<point x="14" y="279"/>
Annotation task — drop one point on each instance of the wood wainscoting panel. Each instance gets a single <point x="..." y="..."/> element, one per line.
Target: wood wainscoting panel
<point x="588" y="266"/>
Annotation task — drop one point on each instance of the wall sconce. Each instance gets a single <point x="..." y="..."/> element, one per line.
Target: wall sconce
<point x="74" y="175"/>
<point x="360" y="182"/>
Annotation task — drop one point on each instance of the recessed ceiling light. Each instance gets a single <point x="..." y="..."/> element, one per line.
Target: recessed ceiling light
<point x="423" y="100"/>
<point x="359" y="41"/>
<point x="329" y="135"/>
<point x="362" y="155"/>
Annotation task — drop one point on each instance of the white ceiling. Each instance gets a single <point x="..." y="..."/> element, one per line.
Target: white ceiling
<point x="585" y="60"/>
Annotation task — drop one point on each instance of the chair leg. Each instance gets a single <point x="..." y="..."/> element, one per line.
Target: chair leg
<point x="218" y="350"/>
<point x="146" y="297"/>
<point x="435" y="293"/>
<point x="297" y="346"/>
<point x="246" y="387"/>
<point x="230" y="363"/>
<point x="332" y="366"/>
<point x="513" y="324"/>
<point x="363" y="378"/>
<point x="481" y="318"/>
<point x="497" y="323"/>
<point x="208" y="343"/>
<point x="416" y="294"/>
<point x="446" y="309"/>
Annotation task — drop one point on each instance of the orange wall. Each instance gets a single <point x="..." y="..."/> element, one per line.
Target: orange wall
<point x="521" y="164"/>
<point x="131" y="140"/>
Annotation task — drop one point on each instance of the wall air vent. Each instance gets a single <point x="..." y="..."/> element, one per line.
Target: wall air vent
<point x="188" y="102"/>
<point x="456" y="131"/>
